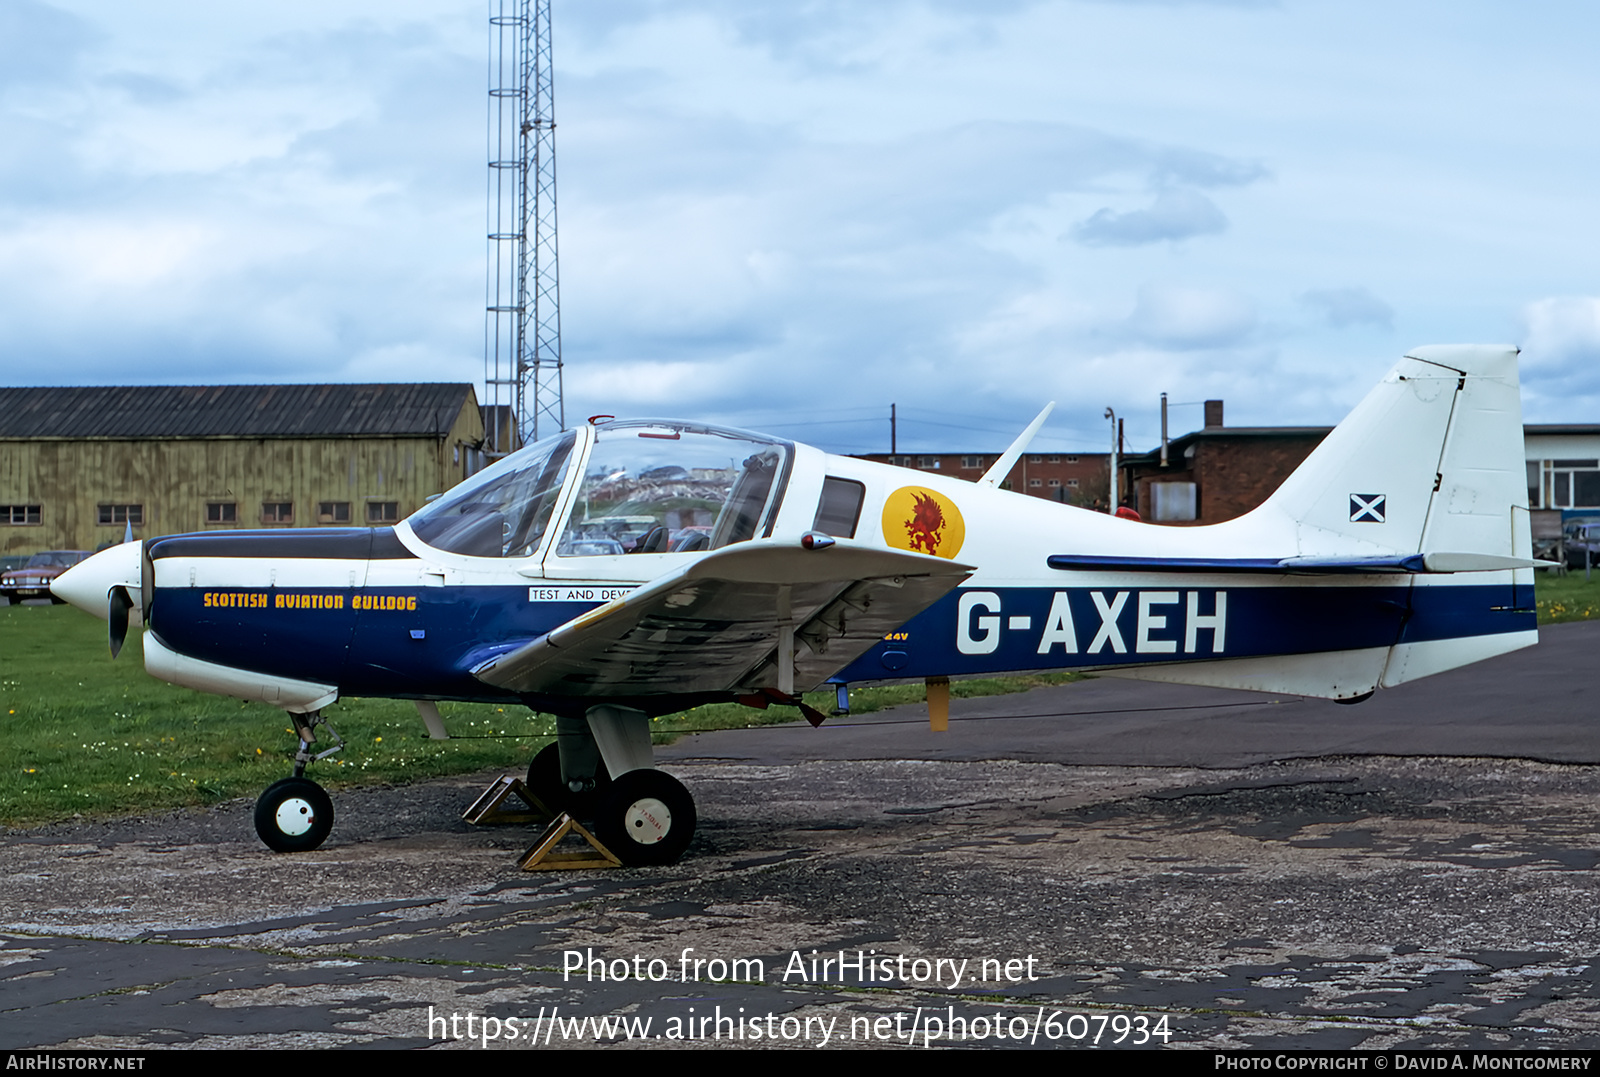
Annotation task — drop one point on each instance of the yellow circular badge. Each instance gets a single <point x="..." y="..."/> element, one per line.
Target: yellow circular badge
<point x="924" y="522"/>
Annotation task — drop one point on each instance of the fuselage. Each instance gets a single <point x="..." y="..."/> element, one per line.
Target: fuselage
<point x="298" y="617"/>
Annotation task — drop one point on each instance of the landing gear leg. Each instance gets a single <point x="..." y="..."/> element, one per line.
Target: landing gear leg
<point x="295" y="815"/>
<point x="548" y="779"/>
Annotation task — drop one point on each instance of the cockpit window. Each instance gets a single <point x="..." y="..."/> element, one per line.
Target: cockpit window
<point x="504" y="510"/>
<point x="671" y="488"/>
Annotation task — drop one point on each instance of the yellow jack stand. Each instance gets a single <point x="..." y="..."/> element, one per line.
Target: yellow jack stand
<point x="487" y="810"/>
<point x="490" y="809"/>
<point x="542" y="856"/>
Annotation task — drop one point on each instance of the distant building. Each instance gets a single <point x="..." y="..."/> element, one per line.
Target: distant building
<point x="78" y="466"/>
<point x="1215" y="473"/>
<point x="1221" y="472"/>
<point x="1074" y="478"/>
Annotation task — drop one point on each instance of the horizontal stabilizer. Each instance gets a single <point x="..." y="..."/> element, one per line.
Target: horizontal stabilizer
<point x="1302" y="566"/>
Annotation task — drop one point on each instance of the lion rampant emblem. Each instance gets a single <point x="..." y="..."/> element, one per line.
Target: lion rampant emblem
<point x="925" y="525"/>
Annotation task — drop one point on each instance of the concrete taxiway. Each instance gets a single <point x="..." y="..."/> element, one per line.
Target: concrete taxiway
<point x="1138" y="864"/>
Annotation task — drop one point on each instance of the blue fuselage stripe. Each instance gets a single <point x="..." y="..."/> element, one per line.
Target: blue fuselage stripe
<point x="423" y="642"/>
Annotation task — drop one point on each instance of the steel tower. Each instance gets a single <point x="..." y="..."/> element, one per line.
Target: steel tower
<point x="522" y="333"/>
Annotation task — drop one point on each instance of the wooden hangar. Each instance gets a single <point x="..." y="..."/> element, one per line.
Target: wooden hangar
<point x="79" y="466"/>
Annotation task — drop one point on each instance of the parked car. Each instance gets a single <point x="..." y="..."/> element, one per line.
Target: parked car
<point x="33" y="579"/>
<point x="1580" y="538"/>
<point x="589" y="547"/>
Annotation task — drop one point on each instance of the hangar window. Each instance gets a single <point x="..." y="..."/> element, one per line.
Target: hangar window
<point x="122" y="514"/>
<point x="20" y="515"/>
<point x="277" y="512"/>
<point x="222" y="512"/>
<point x="1564" y="484"/>
<point x="383" y="512"/>
<point x="333" y="512"/>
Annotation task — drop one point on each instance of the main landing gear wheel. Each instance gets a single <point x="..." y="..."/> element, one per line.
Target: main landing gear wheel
<point x="544" y="781"/>
<point x="646" y="817"/>
<point x="294" y="816"/>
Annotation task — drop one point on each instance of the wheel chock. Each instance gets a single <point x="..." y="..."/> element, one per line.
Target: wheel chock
<point x="543" y="856"/>
<point x="488" y="809"/>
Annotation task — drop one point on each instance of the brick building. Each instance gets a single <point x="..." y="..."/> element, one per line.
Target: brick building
<point x="1216" y="473"/>
<point x="1073" y="478"/>
<point x="1220" y="472"/>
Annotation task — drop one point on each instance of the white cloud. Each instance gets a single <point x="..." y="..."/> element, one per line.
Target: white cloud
<point x="1174" y="216"/>
<point x="1191" y="317"/>
<point x="803" y="209"/>
<point x="1344" y="307"/>
<point x="1563" y="336"/>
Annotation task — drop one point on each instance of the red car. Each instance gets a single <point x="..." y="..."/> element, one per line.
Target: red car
<point x="33" y="579"/>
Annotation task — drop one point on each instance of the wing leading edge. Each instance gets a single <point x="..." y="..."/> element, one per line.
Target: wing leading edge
<point x="725" y="622"/>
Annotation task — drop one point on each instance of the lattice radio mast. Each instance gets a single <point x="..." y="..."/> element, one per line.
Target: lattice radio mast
<point x="522" y="335"/>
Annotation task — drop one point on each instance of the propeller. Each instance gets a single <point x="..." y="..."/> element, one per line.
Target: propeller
<point x="117" y="617"/>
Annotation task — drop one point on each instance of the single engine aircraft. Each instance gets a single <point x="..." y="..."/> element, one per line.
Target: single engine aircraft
<point x="626" y="569"/>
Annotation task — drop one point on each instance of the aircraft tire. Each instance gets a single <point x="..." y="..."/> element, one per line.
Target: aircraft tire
<point x="544" y="781"/>
<point x="646" y="817"/>
<point x="294" y="815"/>
<point x="544" y="778"/>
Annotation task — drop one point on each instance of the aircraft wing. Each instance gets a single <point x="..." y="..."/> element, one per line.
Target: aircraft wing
<point x="724" y="622"/>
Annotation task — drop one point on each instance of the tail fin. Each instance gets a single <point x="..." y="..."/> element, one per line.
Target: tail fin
<point x="1431" y="463"/>
<point x="1428" y="471"/>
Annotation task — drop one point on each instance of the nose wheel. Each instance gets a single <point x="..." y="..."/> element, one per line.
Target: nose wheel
<point x="646" y="817"/>
<point x="294" y="815"/>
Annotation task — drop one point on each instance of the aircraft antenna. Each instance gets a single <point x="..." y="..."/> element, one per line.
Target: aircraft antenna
<point x="522" y="331"/>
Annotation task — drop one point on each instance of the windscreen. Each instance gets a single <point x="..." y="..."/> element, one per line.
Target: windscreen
<point x="504" y="510"/>
<point x="671" y="488"/>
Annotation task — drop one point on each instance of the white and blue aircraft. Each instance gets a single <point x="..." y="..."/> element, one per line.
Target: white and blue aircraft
<point x="627" y="569"/>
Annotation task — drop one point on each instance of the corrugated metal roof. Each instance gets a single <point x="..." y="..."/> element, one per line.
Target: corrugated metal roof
<point x="248" y="411"/>
<point x="1560" y="428"/>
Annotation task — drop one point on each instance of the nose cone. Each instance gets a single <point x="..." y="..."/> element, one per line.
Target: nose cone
<point x="87" y="585"/>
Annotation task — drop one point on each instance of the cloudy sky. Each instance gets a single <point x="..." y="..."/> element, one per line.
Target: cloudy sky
<point x="789" y="215"/>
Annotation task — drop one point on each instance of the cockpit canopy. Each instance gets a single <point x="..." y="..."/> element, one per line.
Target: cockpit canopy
<point x="646" y="487"/>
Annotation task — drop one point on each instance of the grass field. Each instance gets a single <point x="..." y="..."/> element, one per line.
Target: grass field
<point x="1568" y="598"/>
<point x="85" y="735"/>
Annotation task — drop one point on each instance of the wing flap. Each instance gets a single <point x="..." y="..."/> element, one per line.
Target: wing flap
<point x="716" y="624"/>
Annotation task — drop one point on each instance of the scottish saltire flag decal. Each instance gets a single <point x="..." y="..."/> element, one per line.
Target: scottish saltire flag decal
<point x="1367" y="508"/>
